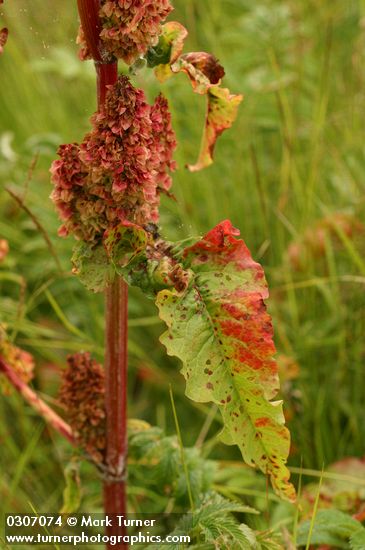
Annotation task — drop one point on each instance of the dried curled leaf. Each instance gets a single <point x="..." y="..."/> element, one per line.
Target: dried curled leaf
<point x="203" y="70"/>
<point x="221" y="113"/>
<point x="205" y="74"/>
<point x="220" y="329"/>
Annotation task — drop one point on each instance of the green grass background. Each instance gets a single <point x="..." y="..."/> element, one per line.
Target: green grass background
<point x="295" y="155"/>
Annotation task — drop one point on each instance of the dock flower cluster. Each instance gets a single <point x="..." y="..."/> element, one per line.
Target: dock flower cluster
<point x="119" y="170"/>
<point x="82" y="394"/>
<point x="129" y="27"/>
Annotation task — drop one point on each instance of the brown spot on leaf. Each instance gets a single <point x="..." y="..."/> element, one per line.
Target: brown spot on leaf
<point x="262" y="422"/>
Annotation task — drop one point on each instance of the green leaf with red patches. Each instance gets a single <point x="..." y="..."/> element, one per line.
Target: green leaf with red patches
<point x="220" y="329"/>
<point x="211" y="295"/>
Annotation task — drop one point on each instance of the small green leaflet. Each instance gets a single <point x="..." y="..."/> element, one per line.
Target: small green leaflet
<point x="357" y="540"/>
<point x="72" y="492"/>
<point x="92" y="266"/>
<point x="168" y="49"/>
<point x="221" y="331"/>
<point x="334" y="528"/>
<point x="213" y="524"/>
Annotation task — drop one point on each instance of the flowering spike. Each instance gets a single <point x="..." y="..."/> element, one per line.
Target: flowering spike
<point x="84" y="52"/>
<point x="82" y="394"/>
<point x="120" y="168"/>
<point x="128" y="27"/>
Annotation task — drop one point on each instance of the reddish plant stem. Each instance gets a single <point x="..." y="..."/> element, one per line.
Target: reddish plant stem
<point x="116" y="339"/>
<point x="90" y="22"/>
<point x="49" y="415"/>
<point x="116" y="399"/>
<point x="106" y="75"/>
<point x="116" y="316"/>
